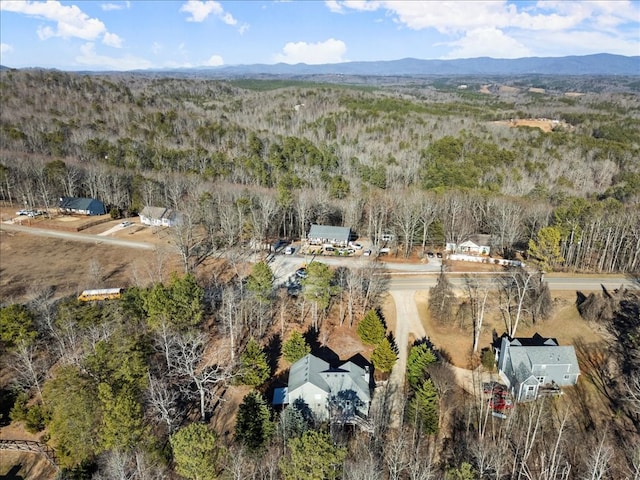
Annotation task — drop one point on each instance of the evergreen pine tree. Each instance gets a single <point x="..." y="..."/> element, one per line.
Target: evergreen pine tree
<point x="313" y="456"/>
<point x="370" y="329"/>
<point x="295" y="348"/>
<point x="420" y="357"/>
<point x="254" y="369"/>
<point x="423" y="408"/>
<point x="195" y="452"/>
<point x="383" y="357"/>
<point x="253" y="424"/>
<point x="260" y="282"/>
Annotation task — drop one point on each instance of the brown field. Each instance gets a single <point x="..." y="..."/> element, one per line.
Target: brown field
<point x="457" y="340"/>
<point x="30" y="262"/>
<point x="546" y="125"/>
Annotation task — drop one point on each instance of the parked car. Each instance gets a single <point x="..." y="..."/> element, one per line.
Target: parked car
<point x="125" y="224"/>
<point x="430" y="254"/>
<point x="366" y="253"/>
<point x="23" y="212"/>
<point x="289" y="250"/>
<point x="329" y="249"/>
<point x="439" y="254"/>
<point x="355" y="245"/>
<point x="500" y="403"/>
<point x="301" y="273"/>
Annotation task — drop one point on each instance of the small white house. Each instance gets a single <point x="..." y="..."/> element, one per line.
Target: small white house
<point x="159" y="217"/>
<point x="477" y="244"/>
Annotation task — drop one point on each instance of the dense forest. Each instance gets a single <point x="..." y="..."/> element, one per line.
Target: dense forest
<point x="143" y="387"/>
<point x="257" y="160"/>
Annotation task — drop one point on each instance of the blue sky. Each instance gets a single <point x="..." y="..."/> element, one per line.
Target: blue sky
<point x="124" y="35"/>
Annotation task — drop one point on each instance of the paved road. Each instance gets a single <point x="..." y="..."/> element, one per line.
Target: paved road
<point x="77" y="237"/>
<point x="556" y="282"/>
<point x="407" y="322"/>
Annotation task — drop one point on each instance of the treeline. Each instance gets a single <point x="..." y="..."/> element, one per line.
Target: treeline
<point x="577" y="233"/>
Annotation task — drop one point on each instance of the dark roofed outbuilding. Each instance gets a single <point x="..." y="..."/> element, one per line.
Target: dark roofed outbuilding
<point x="83" y="206"/>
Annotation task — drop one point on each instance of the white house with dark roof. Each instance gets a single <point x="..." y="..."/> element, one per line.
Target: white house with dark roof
<point x="532" y="365"/>
<point x="329" y="392"/>
<point x="159" y="217"/>
<point x="326" y="234"/>
<point x="477" y="244"/>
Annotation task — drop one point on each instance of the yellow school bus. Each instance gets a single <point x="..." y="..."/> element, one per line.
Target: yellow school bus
<point x="100" y="294"/>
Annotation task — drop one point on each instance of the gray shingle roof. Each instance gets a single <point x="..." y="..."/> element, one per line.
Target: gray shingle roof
<point x="524" y="359"/>
<point x="153" y="212"/>
<point x="311" y="369"/>
<point x="339" y="234"/>
<point x="308" y="369"/>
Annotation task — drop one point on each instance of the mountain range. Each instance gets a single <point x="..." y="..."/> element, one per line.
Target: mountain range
<point x="598" y="64"/>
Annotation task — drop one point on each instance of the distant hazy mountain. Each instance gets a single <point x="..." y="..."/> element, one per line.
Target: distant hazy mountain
<point x="599" y="64"/>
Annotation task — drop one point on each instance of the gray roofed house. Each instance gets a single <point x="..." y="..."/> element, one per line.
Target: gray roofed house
<point x="159" y="217"/>
<point x="83" y="206"/>
<point x="531" y="365"/>
<point x="326" y="234"/>
<point x="341" y="394"/>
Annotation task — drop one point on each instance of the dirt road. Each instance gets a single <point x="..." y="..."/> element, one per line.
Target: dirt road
<point x="77" y="237"/>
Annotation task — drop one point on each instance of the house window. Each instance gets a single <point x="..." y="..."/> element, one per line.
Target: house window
<point x="540" y="380"/>
<point x="566" y="377"/>
<point x="530" y="388"/>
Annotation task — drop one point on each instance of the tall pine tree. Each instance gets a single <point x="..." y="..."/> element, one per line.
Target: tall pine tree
<point x="423" y="408"/>
<point x="253" y="424"/>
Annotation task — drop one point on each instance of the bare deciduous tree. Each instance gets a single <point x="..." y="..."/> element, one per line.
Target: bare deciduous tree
<point x="477" y="294"/>
<point x="163" y="402"/>
<point x="199" y="369"/>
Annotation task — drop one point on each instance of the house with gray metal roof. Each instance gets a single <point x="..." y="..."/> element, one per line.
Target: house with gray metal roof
<point x="326" y="234"/>
<point x="531" y="366"/>
<point x="340" y="393"/>
<point x="159" y="217"/>
<point x="82" y="206"/>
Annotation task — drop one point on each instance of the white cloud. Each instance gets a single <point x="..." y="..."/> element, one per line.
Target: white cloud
<point x="334" y="6"/>
<point x="156" y="48"/>
<point x="329" y="51"/>
<point x="487" y="42"/>
<point x="5" y="48"/>
<point x="214" y="61"/>
<point x="90" y="57"/>
<point x="585" y="43"/>
<point x="107" y="7"/>
<point x="200" y="10"/>
<point x="460" y="16"/>
<point x="112" y="40"/>
<point x="513" y="28"/>
<point x="71" y="22"/>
